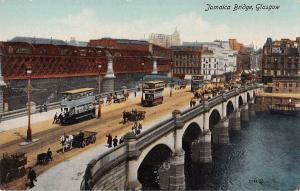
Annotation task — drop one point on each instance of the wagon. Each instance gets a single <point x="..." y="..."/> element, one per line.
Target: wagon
<point x="42" y="158"/>
<point x="89" y="137"/>
<point x="133" y="116"/>
<point x="12" y="166"/>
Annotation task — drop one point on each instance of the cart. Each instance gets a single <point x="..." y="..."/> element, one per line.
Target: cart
<point x="79" y="141"/>
<point x="12" y="166"/>
<point x="133" y="116"/>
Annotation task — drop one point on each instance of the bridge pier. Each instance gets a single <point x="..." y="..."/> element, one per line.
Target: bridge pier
<point x="223" y="134"/>
<point x="235" y="121"/>
<point x="244" y="113"/>
<point x="108" y="82"/>
<point x="176" y="174"/>
<point x="251" y="108"/>
<point x="201" y="148"/>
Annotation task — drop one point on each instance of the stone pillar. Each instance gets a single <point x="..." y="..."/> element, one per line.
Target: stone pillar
<point x="251" y="108"/>
<point x="108" y="82"/>
<point x="176" y="172"/>
<point x="223" y="136"/>
<point x="154" y="71"/>
<point x="2" y="85"/>
<point x="132" y="165"/>
<point x="245" y="113"/>
<point x="235" y="120"/>
<point x="201" y="148"/>
<point x="164" y="176"/>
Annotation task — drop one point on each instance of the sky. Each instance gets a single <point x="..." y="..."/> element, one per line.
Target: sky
<point x="136" y="19"/>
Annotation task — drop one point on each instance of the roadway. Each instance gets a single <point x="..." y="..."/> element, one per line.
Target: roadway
<point x="111" y="122"/>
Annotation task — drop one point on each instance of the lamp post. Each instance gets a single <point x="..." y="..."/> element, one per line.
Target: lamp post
<point x="29" y="135"/>
<point x="171" y="85"/>
<point x="225" y="66"/>
<point x="206" y="66"/>
<point x="99" y="91"/>
<point x="142" y="99"/>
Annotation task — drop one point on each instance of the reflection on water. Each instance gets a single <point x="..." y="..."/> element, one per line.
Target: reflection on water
<point x="264" y="155"/>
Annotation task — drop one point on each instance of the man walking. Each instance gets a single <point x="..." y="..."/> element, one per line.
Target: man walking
<point x="32" y="177"/>
<point x="115" y="141"/>
<point x="109" y="140"/>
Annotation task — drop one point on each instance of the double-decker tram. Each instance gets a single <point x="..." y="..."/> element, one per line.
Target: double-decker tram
<point x="196" y="82"/>
<point x="77" y="104"/>
<point x="153" y="93"/>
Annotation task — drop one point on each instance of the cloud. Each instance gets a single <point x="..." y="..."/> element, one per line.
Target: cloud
<point x="86" y="25"/>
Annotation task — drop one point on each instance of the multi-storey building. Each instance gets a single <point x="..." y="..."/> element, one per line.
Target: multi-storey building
<point x="218" y="60"/>
<point x="165" y="40"/>
<point x="187" y="60"/>
<point x="281" y="64"/>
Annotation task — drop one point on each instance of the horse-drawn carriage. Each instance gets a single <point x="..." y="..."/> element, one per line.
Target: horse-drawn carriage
<point x="133" y="115"/>
<point x="118" y="98"/>
<point x="84" y="138"/>
<point x="12" y="166"/>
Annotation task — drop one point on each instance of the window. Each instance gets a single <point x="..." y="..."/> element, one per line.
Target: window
<point x="290" y="85"/>
<point x="277" y="84"/>
<point x="297" y="84"/>
<point x="290" y="90"/>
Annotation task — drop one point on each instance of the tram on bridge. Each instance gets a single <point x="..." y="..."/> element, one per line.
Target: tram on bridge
<point x="153" y="93"/>
<point x="77" y="104"/>
<point x="196" y="82"/>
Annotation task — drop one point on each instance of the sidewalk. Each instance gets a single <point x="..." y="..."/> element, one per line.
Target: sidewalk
<point x="69" y="174"/>
<point x="38" y="117"/>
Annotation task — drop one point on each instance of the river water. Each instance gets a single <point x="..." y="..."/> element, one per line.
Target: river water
<point x="264" y="155"/>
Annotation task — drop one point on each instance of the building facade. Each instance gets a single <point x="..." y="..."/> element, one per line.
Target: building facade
<point x="281" y="65"/>
<point x="186" y="61"/>
<point x="221" y="60"/>
<point x="165" y="40"/>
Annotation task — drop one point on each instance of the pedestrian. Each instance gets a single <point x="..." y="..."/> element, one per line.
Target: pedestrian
<point x="109" y="140"/>
<point x="121" y="140"/>
<point x="191" y="103"/>
<point x="140" y="126"/>
<point x="134" y="93"/>
<point x="137" y="131"/>
<point x="115" y="141"/>
<point x="290" y="100"/>
<point x="31" y="176"/>
<point x="45" y="107"/>
<point x="41" y="109"/>
<point x="55" y="118"/>
<point x="49" y="154"/>
<point x="81" y="136"/>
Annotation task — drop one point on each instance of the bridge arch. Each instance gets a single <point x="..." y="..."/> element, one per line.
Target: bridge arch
<point x="192" y="132"/>
<point x="229" y="108"/>
<point x="240" y="101"/>
<point x="148" y="169"/>
<point x="214" y="118"/>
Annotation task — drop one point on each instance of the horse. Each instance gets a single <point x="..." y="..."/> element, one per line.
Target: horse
<point x="66" y="142"/>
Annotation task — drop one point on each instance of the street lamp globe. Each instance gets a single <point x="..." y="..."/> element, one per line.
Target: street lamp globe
<point x="29" y="71"/>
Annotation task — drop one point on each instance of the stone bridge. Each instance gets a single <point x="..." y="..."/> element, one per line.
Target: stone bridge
<point x="163" y="146"/>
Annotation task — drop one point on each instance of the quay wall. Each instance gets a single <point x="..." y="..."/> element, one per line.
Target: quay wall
<point x="262" y="102"/>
